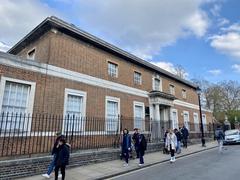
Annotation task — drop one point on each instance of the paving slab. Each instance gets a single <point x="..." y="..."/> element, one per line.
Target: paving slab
<point x="111" y="168"/>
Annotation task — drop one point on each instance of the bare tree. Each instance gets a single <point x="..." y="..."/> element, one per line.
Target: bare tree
<point x="180" y="71"/>
<point x="222" y="98"/>
<point x="230" y="95"/>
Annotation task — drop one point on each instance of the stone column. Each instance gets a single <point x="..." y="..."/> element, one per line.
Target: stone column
<point x="151" y="111"/>
<point x="157" y="122"/>
<point x="157" y="112"/>
<point x="170" y="117"/>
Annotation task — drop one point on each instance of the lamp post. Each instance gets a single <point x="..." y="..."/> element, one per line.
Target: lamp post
<point x="200" y="111"/>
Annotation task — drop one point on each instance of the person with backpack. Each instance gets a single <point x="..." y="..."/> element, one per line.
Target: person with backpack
<point x="62" y="158"/>
<point x="126" y="146"/>
<point x="179" y="138"/>
<point x="171" y="143"/>
<point x="51" y="165"/>
<point x="135" y="139"/>
<point x="219" y="135"/>
<point x="141" y="146"/>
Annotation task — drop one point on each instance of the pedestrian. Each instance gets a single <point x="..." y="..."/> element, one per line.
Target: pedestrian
<point x="135" y="139"/>
<point x="141" y="146"/>
<point x="219" y="135"/>
<point x="126" y="146"/>
<point x="165" y="135"/>
<point x="62" y="158"/>
<point x="165" y="150"/>
<point x="171" y="143"/>
<point x="185" y="135"/>
<point x="51" y="165"/>
<point x="179" y="138"/>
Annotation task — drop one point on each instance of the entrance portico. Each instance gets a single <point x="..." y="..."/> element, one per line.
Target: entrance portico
<point x="160" y="112"/>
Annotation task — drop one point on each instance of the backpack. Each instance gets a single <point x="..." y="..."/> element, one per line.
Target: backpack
<point x="218" y="133"/>
<point x="144" y="142"/>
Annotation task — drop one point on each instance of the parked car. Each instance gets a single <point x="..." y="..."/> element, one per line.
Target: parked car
<point x="232" y="136"/>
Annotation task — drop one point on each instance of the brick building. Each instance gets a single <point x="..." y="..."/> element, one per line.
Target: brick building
<point x="60" y="69"/>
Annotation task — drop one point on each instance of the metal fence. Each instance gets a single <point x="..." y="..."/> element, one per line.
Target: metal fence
<point x="26" y="134"/>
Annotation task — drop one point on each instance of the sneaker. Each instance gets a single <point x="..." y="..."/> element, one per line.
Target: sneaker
<point x="173" y="160"/>
<point x="140" y="165"/>
<point x="125" y="165"/>
<point x="46" y="176"/>
<point x="60" y="176"/>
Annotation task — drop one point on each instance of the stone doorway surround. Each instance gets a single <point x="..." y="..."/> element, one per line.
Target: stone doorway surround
<point x="160" y="105"/>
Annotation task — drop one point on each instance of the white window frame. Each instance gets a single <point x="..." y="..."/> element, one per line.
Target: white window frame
<point x="110" y="62"/>
<point x="31" y="96"/>
<point x="196" y="123"/>
<point x="188" y="121"/>
<point x="33" y="49"/>
<point x="204" y="121"/>
<point x="171" y="85"/>
<point x="136" y="82"/>
<point x="136" y="103"/>
<point x="113" y="99"/>
<point x="177" y="123"/>
<point x="153" y="83"/>
<point x="184" y="95"/>
<point x="76" y="93"/>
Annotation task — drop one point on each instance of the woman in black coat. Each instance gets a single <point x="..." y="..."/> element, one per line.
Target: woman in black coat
<point x="126" y="145"/>
<point x="62" y="158"/>
<point x="142" y="146"/>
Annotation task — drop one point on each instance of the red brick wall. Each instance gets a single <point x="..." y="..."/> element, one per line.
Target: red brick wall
<point x="64" y="51"/>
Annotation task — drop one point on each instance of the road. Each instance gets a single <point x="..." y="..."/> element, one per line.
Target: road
<point x="208" y="165"/>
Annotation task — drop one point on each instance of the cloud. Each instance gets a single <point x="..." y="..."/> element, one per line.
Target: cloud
<point x="20" y="17"/>
<point x="167" y="66"/>
<point x="228" y="43"/>
<point x="138" y="26"/>
<point x="222" y="22"/>
<point x="4" y="47"/>
<point x="215" y="10"/>
<point x="232" y="28"/>
<point x="236" y="68"/>
<point x="144" y="27"/>
<point x="215" y="72"/>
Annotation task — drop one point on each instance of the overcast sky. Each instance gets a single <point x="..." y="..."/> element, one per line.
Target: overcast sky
<point x="201" y="35"/>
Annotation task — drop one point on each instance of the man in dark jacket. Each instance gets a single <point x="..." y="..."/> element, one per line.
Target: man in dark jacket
<point x="52" y="164"/>
<point x="135" y="138"/>
<point x="185" y="135"/>
<point x="219" y="135"/>
<point x="126" y="145"/>
<point x="62" y="158"/>
<point x="142" y="146"/>
<point x="179" y="138"/>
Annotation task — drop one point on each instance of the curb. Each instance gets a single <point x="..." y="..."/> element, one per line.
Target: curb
<point x="152" y="164"/>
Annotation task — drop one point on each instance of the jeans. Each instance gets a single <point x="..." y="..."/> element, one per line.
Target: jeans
<point x="141" y="158"/>
<point x="220" y="145"/>
<point x="63" y="167"/>
<point x="172" y="151"/>
<point x="137" y="151"/>
<point x="51" y="165"/>
<point x="126" y="155"/>
<point x="184" y="142"/>
<point x="178" y="146"/>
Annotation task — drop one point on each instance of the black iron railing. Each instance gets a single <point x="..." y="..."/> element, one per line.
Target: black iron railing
<point x="27" y="134"/>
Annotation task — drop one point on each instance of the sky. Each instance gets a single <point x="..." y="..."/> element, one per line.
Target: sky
<point x="203" y="36"/>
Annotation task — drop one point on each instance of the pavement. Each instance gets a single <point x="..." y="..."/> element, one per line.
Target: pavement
<point x="207" y="165"/>
<point x="113" y="168"/>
